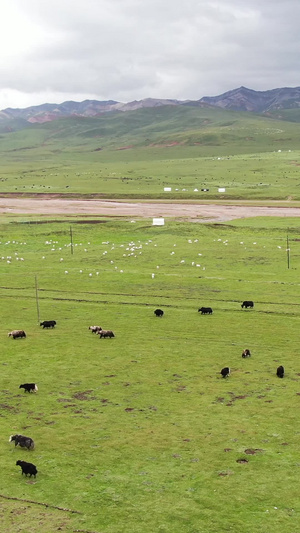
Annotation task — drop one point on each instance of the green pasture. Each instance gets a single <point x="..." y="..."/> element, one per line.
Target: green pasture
<point x="140" y="433"/>
<point x="142" y="174"/>
<point x="139" y="153"/>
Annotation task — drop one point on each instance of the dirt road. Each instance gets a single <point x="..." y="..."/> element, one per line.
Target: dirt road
<point x="200" y="213"/>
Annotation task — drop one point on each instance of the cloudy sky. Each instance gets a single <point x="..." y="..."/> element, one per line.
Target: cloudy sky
<point x="124" y="50"/>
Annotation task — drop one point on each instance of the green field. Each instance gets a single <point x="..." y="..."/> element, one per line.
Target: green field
<point x="139" y="153"/>
<point x="140" y="432"/>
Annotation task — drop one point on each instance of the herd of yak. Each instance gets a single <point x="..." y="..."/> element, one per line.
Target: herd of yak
<point x="225" y="372"/>
<point x="26" y="442"/>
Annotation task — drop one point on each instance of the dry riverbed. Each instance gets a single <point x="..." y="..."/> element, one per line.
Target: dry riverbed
<point x="111" y="208"/>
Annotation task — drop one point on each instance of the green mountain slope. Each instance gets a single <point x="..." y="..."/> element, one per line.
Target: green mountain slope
<point x="186" y="125"/>
<point x="290" y="115"/>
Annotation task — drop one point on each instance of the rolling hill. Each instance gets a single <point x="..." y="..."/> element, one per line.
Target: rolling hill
<point x="209" y="129"/>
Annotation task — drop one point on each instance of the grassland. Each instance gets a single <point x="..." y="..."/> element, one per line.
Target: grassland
<point x="140" y="432"/>
<point x="137" y="154"/>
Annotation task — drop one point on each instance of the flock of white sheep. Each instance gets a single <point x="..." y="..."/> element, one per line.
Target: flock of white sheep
<point x="119" y="262"/>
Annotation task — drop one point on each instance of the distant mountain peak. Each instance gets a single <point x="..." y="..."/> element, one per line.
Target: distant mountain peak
<point x="244" y="99"/>
<point x="239" y="99"/>
<point x="87" y="108"/>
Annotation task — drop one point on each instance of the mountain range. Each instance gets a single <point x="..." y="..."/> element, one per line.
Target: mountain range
<point x="269" y="102"/>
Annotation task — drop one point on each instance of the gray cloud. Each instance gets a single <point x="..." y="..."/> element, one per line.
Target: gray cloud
<point x="133" y="49"/>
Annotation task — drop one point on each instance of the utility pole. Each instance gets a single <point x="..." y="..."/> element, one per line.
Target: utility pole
<point x="71" y="236"/>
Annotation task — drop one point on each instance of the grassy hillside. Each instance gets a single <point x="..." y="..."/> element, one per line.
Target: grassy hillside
<point x="140" y="432"/>
<point x="163" y="125"/>
<point x="291" y="115"/>
<point x="137" y="154"/>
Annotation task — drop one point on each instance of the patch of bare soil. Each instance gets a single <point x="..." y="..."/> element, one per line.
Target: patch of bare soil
<point x="253" y="451"/>
<point x="112" y="208"/>
<point x="84" y="395"/>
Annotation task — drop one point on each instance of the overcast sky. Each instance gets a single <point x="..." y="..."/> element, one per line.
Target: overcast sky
<point x="124" y="50"/>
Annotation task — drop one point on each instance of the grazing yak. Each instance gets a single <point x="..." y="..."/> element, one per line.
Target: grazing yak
<point x="205" y="310"/>
<point x="225" y="372"/>
<point x="29" y="387"/>
<point x="17" y="334"/>
<point x="27" y="468"/>
<point x="159" y="312"/>
<point x="48" y="324"/>
<point x="280" y="371"/>
<point x="106" y="333"/>
<point x="95" y="329"/>
<point x="246" y="353"/>
<point x="23" y="442"/>
<point x="247" y="303"/>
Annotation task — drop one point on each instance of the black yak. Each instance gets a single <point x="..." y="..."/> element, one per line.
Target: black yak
<point x="246" y="353"/>
<point x="205" y="310"/>
<point x="159" y="312"/>
<point x="225" y="372"/>
<point x="247" y="303"/>
<point x="48" y="324"/>
<point x="280" y="371"/>
<point x="23" y="442"/>
<point x="29" y="387"/>
<point x="27" y="468"/>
